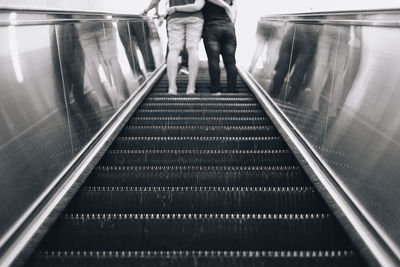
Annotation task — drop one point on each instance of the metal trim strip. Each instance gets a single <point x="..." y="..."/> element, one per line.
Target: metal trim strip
<point x="340" y="22"/>
<point x="341" y="12"/>
<point x="58" y="11"/>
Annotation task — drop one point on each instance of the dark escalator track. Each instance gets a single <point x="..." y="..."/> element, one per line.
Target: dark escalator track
<point x="198" y="180"/>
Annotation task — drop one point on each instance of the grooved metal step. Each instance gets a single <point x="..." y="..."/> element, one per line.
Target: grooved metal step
<point x="315" y="258"/>
<point x="197" y="200"/>
<point x="207" y="98"/>
<point x="198" y="176"/>
<point x="196" y="232"/>
<point x="199" y="121"/>
<point x="200" y="130"/>
<point x="193" y="142"/>
<point x="199" y="106"/>
<point x="198" y="157"/>
<point x="199" y="112"/>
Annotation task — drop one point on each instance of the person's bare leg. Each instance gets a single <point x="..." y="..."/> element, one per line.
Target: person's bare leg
<point x="172" y="70"/>
<point x="193" y="69"/>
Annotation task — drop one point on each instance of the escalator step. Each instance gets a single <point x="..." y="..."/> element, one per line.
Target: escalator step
<point x="198" y="200"/>
<point x="207" y="131"/>
<point x="198" y="157"/>
<point x="199" y="106"/>
<point x="199" y="113"/>
<point x="221" y="143"/>
<point x="199" y="121"/>
<point x="198" y="176"/>
<point x="346" y="258"/>
<point x="206" y="98"/>
<point x="196" y="232"/>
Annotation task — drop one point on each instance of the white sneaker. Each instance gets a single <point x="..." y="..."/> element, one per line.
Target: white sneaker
<point x="184" y="70"/>
<point x="190" y="92"/>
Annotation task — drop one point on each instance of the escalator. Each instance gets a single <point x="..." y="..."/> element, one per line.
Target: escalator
<point x="199" y="180"/>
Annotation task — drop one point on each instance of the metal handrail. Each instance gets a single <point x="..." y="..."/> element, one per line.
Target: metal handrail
<point x="339" y="13"/>
<point x="341" y="18"/>
<point x="338" y="22"/>
<point x="64" y="16"/>
<point x="62" y="21"/>
<point x="55" y="11"/>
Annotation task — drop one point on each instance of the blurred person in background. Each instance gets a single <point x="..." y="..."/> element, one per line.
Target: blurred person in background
<point x="269" y="35"/>
<point x="99" y="44"/>
<point x="295" y="59"/>
<point x="75" y="102"/>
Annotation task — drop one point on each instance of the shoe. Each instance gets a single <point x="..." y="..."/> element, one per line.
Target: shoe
<point x="172" y="93"/>
<point x="184" y="71"/>
<point x="216" y="93"/>
<point x="190" y="92"/>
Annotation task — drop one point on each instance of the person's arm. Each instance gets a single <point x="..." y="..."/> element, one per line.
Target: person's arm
<point x="196" y="6"/>
<point x="151" y="5"/>
<point x="234" y="11"/>
<point x="220" y="3"/>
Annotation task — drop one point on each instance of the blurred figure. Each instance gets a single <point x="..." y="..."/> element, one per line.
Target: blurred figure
<point x="69" y="66"/>
<point x="131" y="49"/>
<point x="99" y="44"/>
<point x="185" y="23"/>
<point x="329" y="63"/>
<point x="295" y="58"/>
<point x="336" y="65"/>
<point x="352" y="62"/>
<point x="143" y="33"/>
<point x="269" y="36"/>
<point x="155" y="43"/>
<point x="220" y="39"/>
<point x="348" y="60"/>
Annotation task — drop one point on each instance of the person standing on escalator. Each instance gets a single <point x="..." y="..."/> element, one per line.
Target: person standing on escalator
<point x="185" y="24"/>
<point x="220" y="39"/>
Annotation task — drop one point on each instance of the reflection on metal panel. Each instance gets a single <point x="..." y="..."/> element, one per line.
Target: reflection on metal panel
<point x="59" y="84"/>
<point x="34" y="136"/>
<point x="339" y="86"/>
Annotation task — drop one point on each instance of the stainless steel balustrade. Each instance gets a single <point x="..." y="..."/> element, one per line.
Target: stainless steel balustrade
<point x="335" y="77"/>
<point x="65" y="79"/>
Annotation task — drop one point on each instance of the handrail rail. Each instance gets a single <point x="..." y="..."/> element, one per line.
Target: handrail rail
<point x="60" y="17"/>
<point x="338" y="12"/>
<point x="375" y="23"/>
<point x="341" y="18"/>
<point x="56" y="11"/>
<point x="62" y="21"/>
